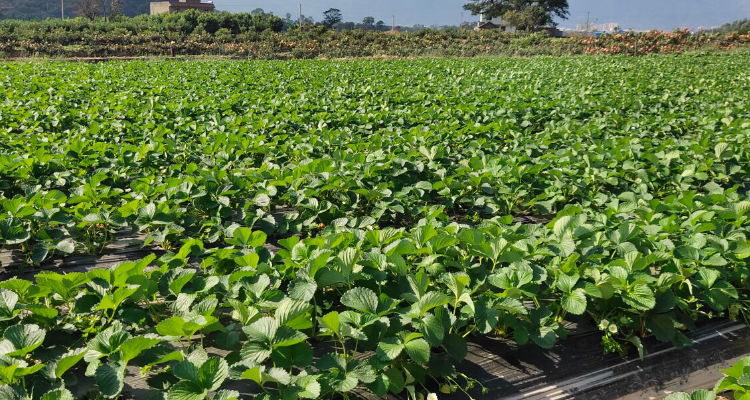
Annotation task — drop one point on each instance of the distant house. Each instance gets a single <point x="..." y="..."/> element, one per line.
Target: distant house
<point x="493" y="23"/>
<point x="486" y="25"/>
<point x="159" y="7"/>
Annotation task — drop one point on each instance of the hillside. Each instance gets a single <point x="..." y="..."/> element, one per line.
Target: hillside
<point x="41" y="9"/>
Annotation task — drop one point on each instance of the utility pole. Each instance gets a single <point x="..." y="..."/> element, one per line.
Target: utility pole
<point x="588" y="24"/>
<point x="393" y="23"/>
<point x="62" y="9"/>
<point x="461" y="24"/>
<point x="300" y="15"/>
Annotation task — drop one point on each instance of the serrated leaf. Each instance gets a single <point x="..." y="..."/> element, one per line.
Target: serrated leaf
<point x="186" y="390"/>
<point x="361" y="299"/>
<point x="20" y="340"/>
<point x="639" y="297"/>
<point x="110" y="380"/>
<point x="419" y="351"/>
<point x="212" y="373"/>
<point x="68" y="360"/>
<point x="575" y="302"/>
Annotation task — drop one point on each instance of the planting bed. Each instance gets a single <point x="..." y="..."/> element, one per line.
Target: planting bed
<point x="539" y="228"/>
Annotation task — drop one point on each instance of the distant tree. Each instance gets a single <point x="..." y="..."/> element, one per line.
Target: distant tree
<point x="305" y="20"/>
<point x="380" y="26"/>
<point x="331" y="17"/>
<point x="527" y="18"/>
<point x="742" y="26"/>
<point x="258" y="11"/>
<point x="368" y="22"/>
<point x="87" y="8"/>
<point x="346" y="26"/>
<point x="115" y="8"/>
<point x="527" y="13"/>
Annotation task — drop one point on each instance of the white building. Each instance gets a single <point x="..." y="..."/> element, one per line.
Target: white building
<point x="608" y="27"/>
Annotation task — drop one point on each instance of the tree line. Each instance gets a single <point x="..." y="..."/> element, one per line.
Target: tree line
<point x="742" y="26"/>
<point x="523" y="14"/>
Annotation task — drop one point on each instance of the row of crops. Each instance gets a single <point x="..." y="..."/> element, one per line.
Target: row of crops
<point x="388" y="190"/>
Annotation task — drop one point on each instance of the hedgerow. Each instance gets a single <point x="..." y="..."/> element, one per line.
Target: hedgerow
<point x="244" y="35"/>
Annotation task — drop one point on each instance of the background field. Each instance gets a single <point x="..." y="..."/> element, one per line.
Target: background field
<point x="330" y="226"/>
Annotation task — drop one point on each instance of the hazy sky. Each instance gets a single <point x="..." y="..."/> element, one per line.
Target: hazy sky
<point x="636" y="14"/>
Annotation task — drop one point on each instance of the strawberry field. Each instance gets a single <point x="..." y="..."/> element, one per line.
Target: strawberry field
<point x="326" y="229"/>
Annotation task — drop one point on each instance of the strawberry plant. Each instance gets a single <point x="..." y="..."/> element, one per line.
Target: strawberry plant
<point x="325" y="228"/>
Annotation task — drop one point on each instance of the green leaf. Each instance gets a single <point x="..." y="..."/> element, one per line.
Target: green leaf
<point x="58" y="394"/>
<point x="545" y="337"/>
<point x="20" y="340"/>
<point x="738" y="369"/>
<point x="344" y="384"/>
<point x="636" y="341"/>
<point x="8" y="301"/>
<point x="455" y="346"/>
<point x="361" y="299"/>
<point x="309" y="387"/>
<point x="302" y="289"/>
<point x="172" y="326"/>
<point x="389" y="348"/>
<point x="419" y="351"/>
<point x="132" y="347"/>
<point x="226" y="395"/>
<point x="300" y="355"/>
<point x="396" y="381"/>
<point x="678" y="396"/>
<point x="186" y="390"/>
<point x="67" y="246"/>
<point x="212" y="373"/>
<point x="486" y="317"/>
<point x="513" y="306"/>
<point x="566" y="282"/>
<point x="662" y="326"/>
<point x="703" y="394"/>
<point x="331" y="322"/>
<point x="262" y="330"/>
<point x="186" y="370"/>
<point x="108" y="341"/>
<point x="431" y="300"/>
<point x="245" y="237"/>
<point x="432" y="328"/>
<point x="744" y="380"/>
<point x="68" y="360"/>
<point x="289" y="309"/>
<point x="8" y="392"/>
<point x="575" y="302"/>
<point x="256" y="351"/>
<point x="110" y="380"/>
<point x="639" y="297"/>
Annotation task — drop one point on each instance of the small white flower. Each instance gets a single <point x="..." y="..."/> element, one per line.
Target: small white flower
<point x="613" y="328"/>
<point x="432" y="396"/>
<point x="604" y="324"/>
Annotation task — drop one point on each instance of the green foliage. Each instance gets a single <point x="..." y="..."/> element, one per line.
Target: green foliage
<point x="737" y="380"/>
<point x="355" y="229"/>
<point x="524" y="14"/>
